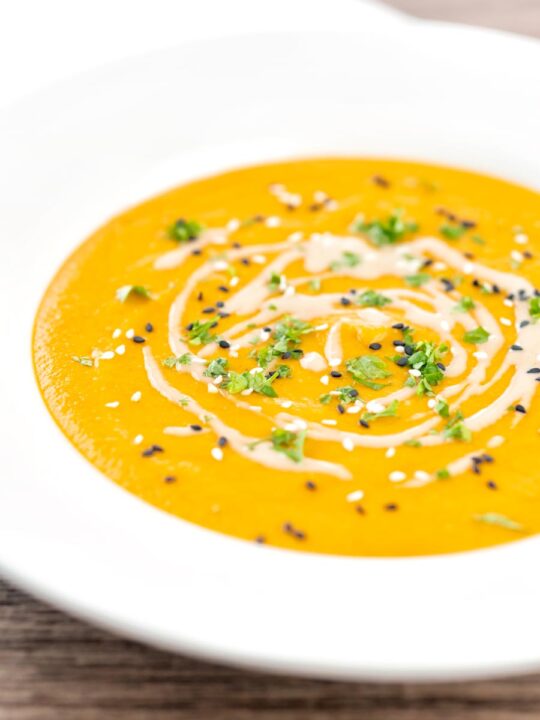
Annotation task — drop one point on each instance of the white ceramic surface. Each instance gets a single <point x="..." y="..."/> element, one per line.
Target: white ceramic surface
<point x="76" y="154"/>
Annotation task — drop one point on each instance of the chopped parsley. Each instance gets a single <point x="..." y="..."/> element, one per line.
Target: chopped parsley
<point x="315" y="285"/>
<point x="365" y="369"/>
<point x="426" y="359"/>
<point x="257" y="382"/>
<point x="346" y="395"/>
<point x="456" y="429"/>
<point x="199" y="333"/>
<point x="348" y="260"/>
<point x="442" y="408"/>
<point x="452" y="232"/>
<point x="417" y="280"/>
<point x="289" y="443"/>
<point x="465" y="304"/>
<point x="442" y="474"/>
<point x="534" y="308"/>
<point x="184" y="230"/>
<point x="126" y="291"/>
<point x="287" y="336"/>
<point x="370" y="298"/>
<point x="217" y="367"/>
<point x="83" y="360"/>
<point x="275" y="282"/>
<point x="389" y="411"/>
<point x="386" y="231"/>
<point x="173" y="361"/>
<point x="478" y="336"/>
<point x="500" y="521"/>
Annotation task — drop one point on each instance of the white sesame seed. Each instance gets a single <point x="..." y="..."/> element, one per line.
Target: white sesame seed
<point x="137" y="440"/>
<point x="216" y="453"/>
<point x="233" y="225"/>
<point x="334" y="361"/>
<point x="348" y="444"/>
<point x="137" y="395"/>
<point x="272" y="221"/>
<point x="495" y="441"/>
<point x="508" y="303"/>
<point x="505" y="321"/>
<point x="247" y="391"/>
<point x="354" y="409"/>
<point x="113" y="404"/>
<point x="289" y="291"/>
<point x="439" y="266"/>
<point x="108" y="355"/>
<point x="414" y="372"/>
<point x="221" y="265"/>
<point x="431" y="403"/>
<point x="286" y="403"/>
<point x="325" y="379"/>
<point x="116" y="334"/>
<point x="445" y="325"/>
<point x="212" y="389"/>
<point x="422" y="475"/>
<point x="355" y="495"/>
<point x="120" y="350"/>
<point x="328" y="421"/>
<point x="521" y="239"/>
<point x="480" y="355"/>
<point x="259" y="259"/>
<point x="516" y="256"/>
<point x="130" y="333"/>
<point x="399" y="348"/>
<point x="397" y="476"/>
<point x="234" y="281"/>
<point x="324" y="326"/>
<point x="468" y="268"/>
<point x="375" y="406"/>
<point x="390" y="452"/>
<point x="291" y="427"/>
<point x="295" y="237"/>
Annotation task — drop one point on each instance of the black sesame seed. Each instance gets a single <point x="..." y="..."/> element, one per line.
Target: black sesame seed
<point x="196" y="428"/>
<point x="360" y="510"/>
<point x="524" y="323"/>
<point x="260" y="539"/>
<point x="196" y="252"/>
<point x="491" y="485"/>
<point x="468" y="223"/>
<point x="516" y="347"/>
<point x="209" y="310"/>
<point x="398" y="343"/>
<point x="375" y="346"/>
<point x="409" y="350"/>
<point x="299" y="535"/>
<point x="391" y="507"/>
<point x="487" y="458"/>
<point x="157" y="448"/>
<point x="398" y="326"/>
<point x="236" y="245"/>
<point x="495" y="289"/>
<point x="267" y="329"/>
<point x="286" y="355"/>
<point x="441" y="366"/>
<point x="222" y="441"/>
<point x="353" y="393"/>
<point x="224" y="314"/>
<point x="363" y="423"/>
<point x="335" y="373"/>
<point x="138" y="339"/>
<point x="345" y="301"/>
<point x="148" y="452"/>
<point x="476" y="283"/>
<point x="448" y="285"/>
<point x="200" y="296"/>
<point x="520" y="409"/>
<point x="380" y="181"/>
<point x="224" y="344"/>
<point x="189" y="327"/>
<point x="223" y="288"/>
<point x="402" y="361"/>
<point x="310" y="485"/>
<point x="340" y="409"/>
<point x="149" y="327"/>
<point x="169" y="479"/>
<point x="245" y="261"/>
<point x="220" y="304"/>
<point x="534" y="371"/>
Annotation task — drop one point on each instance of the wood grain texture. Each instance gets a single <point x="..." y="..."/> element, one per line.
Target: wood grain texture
<point x="55" y="668"/>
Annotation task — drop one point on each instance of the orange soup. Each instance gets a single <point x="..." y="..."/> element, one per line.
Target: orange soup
<point x="330" y="355"/>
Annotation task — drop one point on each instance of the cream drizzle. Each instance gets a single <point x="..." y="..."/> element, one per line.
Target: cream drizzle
<point x="318" y="253"/>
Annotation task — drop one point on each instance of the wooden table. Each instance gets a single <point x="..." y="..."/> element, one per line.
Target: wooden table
<point x="56" y="668"/>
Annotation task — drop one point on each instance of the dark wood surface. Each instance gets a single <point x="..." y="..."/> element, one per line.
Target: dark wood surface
<point x="55" y="668"/>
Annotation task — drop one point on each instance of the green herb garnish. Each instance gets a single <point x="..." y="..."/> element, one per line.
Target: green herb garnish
<point x="345" y="395"/>
<point x="534" y="308"/>
<point x="289" y="443"/>
<point x="386" y="231"/>
<point x="258" y="382"/>
<point x="442" y="408"/>
<point x="348" y="259"/>
<point x="365" y="369"/>
<point x="426" y="358"/>
<point x="389" y="411"/>
<point x="452" y="232"/>
<point x="199" y="333"/>
<point x="457" y="430"/>
<point x="173" y="361"/>
<point x="500" y="521"/>
<point x="217" y="368"/>
<point x="275" y="282"/>
<point x="83" y="360"/>
<point x="417" y="280"/>
<point x="478" y="336"/>
<point x="465" y="304"/>
<point x="442" y="474"/>
<point x="370" y="298"/>
<point x="184" y="230"/>
<point x="126" y="291"/>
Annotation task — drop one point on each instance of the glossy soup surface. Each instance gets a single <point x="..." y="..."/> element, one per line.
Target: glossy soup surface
<point x="334" y="355"/>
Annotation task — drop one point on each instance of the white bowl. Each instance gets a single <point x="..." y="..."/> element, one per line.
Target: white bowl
<point x="80" y="152"/>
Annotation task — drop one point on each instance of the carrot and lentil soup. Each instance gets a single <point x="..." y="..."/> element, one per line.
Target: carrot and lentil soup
<point x="332" y="355"/>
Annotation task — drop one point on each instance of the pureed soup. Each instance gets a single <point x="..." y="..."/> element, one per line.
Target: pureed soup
<point x="332" y="355"/>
